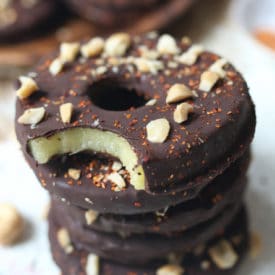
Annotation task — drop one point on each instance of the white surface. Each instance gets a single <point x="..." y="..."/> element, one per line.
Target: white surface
<point x="257" y="63"/>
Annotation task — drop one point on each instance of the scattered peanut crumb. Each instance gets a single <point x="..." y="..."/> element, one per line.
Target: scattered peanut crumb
<point x="151" y="102"/>
<point x="117" y="44"/>
<point x="91" y="216"/>
<point x="92" y="265"/>
<point x="93" y="48"/>
<point x="118" y="180"/>
<point x="148" y="66"/>
<point x="217" y="67"/>
<point x="190" y="57"/>
<point x="64" y="240"/>
<point x="158" y="130"/>
<point x="69" y="51"/>
<point x="74" y="173"/>
<point x="12" y="224"/>
<point x="223" y="255"/>
<point x="56" y="66"/>
<point x="182" y="111"/>
<point x="208" y="81"/>
<point x="170" y="270"/>
<point x="66" y="111"/>
<point x="32" y="116"/>
<point x="178" y="92"/>
<point x="28" y="87"/>
<point x="167" y="45"/>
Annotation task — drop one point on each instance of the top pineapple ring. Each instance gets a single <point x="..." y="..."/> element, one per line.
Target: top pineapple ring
<point x="75" y="103"/>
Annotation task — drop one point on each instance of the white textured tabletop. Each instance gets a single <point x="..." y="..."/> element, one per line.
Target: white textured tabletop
<point x="221" y="32"/>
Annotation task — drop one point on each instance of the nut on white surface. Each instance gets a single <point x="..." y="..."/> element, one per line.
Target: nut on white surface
<point x="256" y="245"/>
<point x="64" y="240"/>
<point x="177" y="93"/>
<point x="32" y="116"/>
<point x="182" y="111"/>
<point x="170" y="270"/>
<point x="117" y="44"/>
<point x="208" y="81"/>
<point x="190" y="57"/>
<point x="66" y="112"/>
<point x="92" y="265"/>
<point x="11" y="224"/>
<point x="74" y="173"/>
<point x="93" y="48"/>
<point x="28" y="87"/>
<point x="167" y="45"/>
<point x="223" y="255"/>
<point x="158" y="130"/>
<point x="91" y="216"/>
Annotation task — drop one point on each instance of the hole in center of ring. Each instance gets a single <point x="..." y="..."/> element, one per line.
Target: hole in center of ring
<point x="112" y="95"/>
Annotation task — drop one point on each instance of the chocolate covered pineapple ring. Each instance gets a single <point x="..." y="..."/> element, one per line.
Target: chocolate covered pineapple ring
<point x="20" y="18"/>
<point x="207" y="258"/>
<point x="143" y="248"/>
<point x="198" y="119"/>
<point x="96" y="190"/>
<point x="221" y="194"/>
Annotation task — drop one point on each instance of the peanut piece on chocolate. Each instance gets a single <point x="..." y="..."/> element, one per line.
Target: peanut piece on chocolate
<point x="56" y="66"/>
<point x="32" y="116"/>
<point x="167" y="45"/>
<point x="170" y="270"/>
<point x="208" y="81"/>
<point x="190" y="57"/>
<point x="223" y="255"/>
<point x="217" y="67"/>
<point x="93" y="48"/>
<point x="118" y="180"/>
<point x="66" y="112"/>
<point x="117" y="44"/>
<point x="182" y="111"/>
<point x="28" y="87"/>
<point x="92" y="265"/>
<point x="91" y="216"/>
<point x="69" y="51"/>
<point x="151" y="102"/>
<point x="177" y="93"/>
<point x="64" y="240"/>
<point x="158" y="130"/>
<point x="74" y="173"/>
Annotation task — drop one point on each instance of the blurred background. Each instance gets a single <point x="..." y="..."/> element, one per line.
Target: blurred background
<point x="243" y="31"/>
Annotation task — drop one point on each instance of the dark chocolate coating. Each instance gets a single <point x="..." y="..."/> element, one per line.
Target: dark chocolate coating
<point x="107" y="17"/>
<point x="219" y="131"/>
<point x="211" y="201"/>
<point x="129" y="201"/>
<point x="75" y="263"/>
<point x="143" y="248"/>
<point x="28" y="20"/>
<point x="119" y="4"/>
